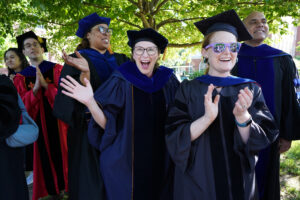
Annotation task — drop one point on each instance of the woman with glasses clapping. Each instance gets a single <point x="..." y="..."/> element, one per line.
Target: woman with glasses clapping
<point x="129" y="112"/>
<point x="85" y="181"/>
<point x="219" y="122"/>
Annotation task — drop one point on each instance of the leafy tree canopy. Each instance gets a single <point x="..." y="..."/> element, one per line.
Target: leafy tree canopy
<point x="172" y="18"/>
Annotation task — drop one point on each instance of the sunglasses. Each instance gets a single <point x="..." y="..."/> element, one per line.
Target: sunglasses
<point x="234" y="47"/>
<point x="104" y="30"/>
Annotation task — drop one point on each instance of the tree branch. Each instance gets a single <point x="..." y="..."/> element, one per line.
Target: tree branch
<point x="252" y="3"/>
<point x="134" y="3"/>
<point x="184" y="45"/>
<point x="159" y="6"/>
<point x="50" y="22"/>
<point x="168" y="21"/>
<point x="96" y="5"/>
<point x="129" y="23"/>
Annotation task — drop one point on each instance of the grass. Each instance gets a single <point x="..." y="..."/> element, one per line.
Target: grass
<point x="290" y="173"/>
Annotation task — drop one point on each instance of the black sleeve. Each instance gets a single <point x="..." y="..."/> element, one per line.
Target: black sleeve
<point x="178" y="136"/>
<point x="9" y="108"/>
<point x="121" y="58"/>
<point x="290" y="119"/>
<point x="66" y="108"/>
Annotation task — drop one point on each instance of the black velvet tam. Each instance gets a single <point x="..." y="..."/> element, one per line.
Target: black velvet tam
<point x="30" y="34"/>
<point x="86" y="23"/>
<point x="147" y="34"/>
<point x="226" y="21"/>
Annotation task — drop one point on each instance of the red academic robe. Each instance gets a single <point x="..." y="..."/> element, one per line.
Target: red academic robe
<point x="50" y="163"/>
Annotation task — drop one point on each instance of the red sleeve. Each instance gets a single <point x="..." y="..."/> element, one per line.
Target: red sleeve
<point x="30" y="100"/>
<point x="51" y="92"/>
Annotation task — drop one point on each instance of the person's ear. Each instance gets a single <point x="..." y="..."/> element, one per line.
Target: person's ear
<point x="204" y="53"/>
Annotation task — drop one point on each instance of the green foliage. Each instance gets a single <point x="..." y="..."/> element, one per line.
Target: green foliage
<point x="196" y="74"/>
<point x="291" y="160"/>
<point x="290" y="173"/>
<point x="172" y="18"/>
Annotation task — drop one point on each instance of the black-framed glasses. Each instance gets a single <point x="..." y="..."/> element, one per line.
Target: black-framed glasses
<point x="234" y="47"/>
<point x="104" y="30"/>
<point x="151" y="51"/>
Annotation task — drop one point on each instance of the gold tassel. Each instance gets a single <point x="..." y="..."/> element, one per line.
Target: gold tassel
<point x="164" y="55"/>
<point x="109" y="49"/>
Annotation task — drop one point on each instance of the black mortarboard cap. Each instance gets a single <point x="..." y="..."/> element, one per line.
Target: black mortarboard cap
<point x="226" y="21"/>
<point x="147" y="34"/>
<point x="86" y="23"/>
<point x="30" y="34"/>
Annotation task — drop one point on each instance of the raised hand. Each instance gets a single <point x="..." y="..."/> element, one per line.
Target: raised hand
<point x="211" y="107"/>
<point x="240" y="110"/>
<point x="73" y="89"/>
<point x="79" y="63"/>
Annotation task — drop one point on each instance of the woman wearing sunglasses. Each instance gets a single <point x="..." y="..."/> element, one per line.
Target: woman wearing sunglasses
<point x="85" y="181"/>
<point x="219" y="122"/>
<point x="129" y="112"/>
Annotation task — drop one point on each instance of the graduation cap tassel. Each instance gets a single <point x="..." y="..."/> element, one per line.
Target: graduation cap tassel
<point x="164" y="55"/>
<point x="109" y="49"/>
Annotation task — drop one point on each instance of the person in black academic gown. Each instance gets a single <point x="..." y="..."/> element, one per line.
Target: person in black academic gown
<point x="277" y="74"/>
<point x="85" y="181"/>
<point x="219" y="122"/>
<point x="129" y="112"/>
<point x="12" y="182"/>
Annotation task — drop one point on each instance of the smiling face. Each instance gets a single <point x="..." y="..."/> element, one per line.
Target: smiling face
<point x="99" y="41"/>
<point x="145" y="62"/>
<point x="33" y="49"/>
<point x="257" y="26"/>
<point x="220" y="64"/>
<point x="13" y="61"/>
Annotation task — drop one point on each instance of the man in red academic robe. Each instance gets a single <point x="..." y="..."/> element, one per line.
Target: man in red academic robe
<point x="37" y="85"/>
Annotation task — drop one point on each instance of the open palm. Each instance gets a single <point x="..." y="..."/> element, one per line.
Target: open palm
<point x="79" y="63"/>
<point x="73" y="89"/>
<point x="211" y="106"/>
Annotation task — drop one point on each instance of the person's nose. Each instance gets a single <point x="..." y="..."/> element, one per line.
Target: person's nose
<point x="145" y="53"/>
<point x="226" y="51"/>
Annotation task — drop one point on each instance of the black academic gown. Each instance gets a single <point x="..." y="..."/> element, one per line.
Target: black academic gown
<point x="85" y="181"/>
<point x="217" y="165"/>
<point x="12" y="182"/>
<point x="277" y="74"/>
<point x="134" y="162"/>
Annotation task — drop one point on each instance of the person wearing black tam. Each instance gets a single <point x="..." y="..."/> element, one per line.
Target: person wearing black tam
<point x="85" y="181"/>
<point x="219" y="122"/>
<point x="37" y="85"/>
<point x="127" y="127"/>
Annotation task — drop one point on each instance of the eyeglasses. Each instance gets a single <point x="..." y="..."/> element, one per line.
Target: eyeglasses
<point x="234" y="47"/>
<point x="151" y="51"/>
<point x="28" y="45"/>
<point x="104" y="30"/>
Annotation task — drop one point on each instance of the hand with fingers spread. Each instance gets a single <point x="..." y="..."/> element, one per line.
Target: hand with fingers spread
<point x="85" y="95"/>
<point x="73" y="89"/>
<point x="211" y="106"/>
<point x="79" y="63"/>
<point x="240" y="110"/>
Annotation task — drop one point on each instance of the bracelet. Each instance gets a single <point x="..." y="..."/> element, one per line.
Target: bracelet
<point x="245" y="124"/>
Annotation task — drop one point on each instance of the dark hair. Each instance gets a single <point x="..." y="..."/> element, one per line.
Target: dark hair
<point x="24" y="62"/>
<point x="84" y="44"/>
